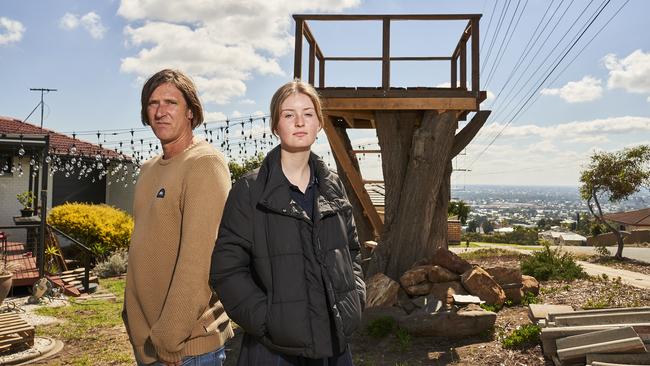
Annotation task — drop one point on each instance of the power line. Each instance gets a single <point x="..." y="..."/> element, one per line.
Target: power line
<point x="496" y="34"/>
<point x="543" y="81"/>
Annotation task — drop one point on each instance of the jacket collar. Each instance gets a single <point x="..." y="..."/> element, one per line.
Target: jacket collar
<point x="275" y="194"/>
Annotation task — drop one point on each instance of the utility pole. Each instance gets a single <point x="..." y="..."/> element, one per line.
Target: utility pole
<point x="42" y="90"/>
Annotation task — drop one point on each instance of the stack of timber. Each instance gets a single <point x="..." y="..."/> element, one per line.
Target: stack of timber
<point x="601" y="337"/>
<point x="71" y="282"/>
<point x="15" y="333"/>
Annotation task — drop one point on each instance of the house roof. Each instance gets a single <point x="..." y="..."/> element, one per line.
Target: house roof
<point x="573" y="237"/>
<point x="636" y="218"/>
<point x="60" y="144"/>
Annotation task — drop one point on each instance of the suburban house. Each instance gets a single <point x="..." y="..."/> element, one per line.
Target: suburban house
<point x="630" y="220"/>
<point x="562" y="237"/>
<point x="20" y="159"/>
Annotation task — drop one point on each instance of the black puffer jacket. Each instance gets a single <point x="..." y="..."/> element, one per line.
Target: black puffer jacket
<point x="287" y="280"/>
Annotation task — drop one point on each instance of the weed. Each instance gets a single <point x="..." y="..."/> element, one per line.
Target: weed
<point x="529" y="298"/>
<point x="381" y="327"/>
<point x="114" y="265"/>
<point x="552" y="264"/>
<point x="523" y="336"/>
<point x="492" y="308"/>
<point x="403" y="340"/>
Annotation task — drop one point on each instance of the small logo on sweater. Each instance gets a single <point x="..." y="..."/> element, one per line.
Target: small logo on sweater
<point x="161" y="193"/>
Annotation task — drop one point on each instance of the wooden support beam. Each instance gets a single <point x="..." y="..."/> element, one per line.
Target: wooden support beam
<point x="463" y="66"/>
<point x="385" y="51"/>
<point x="312" y="62"/>
<point x="353" y="175"/>
<point x="454" y="73"/>
<point x="475" y="56"/>
<point x="365" y="115"/>
<point x="366" y="152"/>
<point x="337" y="17"/>
<point x="321" y="73"/>
<point x="297" y="50"/>
<point x="461" y="104"/>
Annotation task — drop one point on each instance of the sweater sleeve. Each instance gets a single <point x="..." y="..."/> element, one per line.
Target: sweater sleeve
<point x="205" y="187"/>
<point x="230" y="273"/>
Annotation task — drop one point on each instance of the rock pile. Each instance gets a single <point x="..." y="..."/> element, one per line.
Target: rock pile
<point x="423" y="300"/>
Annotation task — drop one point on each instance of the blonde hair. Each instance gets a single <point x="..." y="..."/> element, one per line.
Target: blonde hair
<point x="285" y="91"/>
<point x="183" y="83"/>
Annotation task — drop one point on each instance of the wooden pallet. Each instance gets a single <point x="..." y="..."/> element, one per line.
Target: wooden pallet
<point x="15" y="333"/>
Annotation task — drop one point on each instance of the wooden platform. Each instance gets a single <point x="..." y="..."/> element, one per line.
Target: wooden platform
<point x="27" y="272"/>
<point x="15" y="333"/>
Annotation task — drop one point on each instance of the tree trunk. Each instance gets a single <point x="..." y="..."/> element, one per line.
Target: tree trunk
<point x="417" y="150"/>
<point x="600" y="217"/>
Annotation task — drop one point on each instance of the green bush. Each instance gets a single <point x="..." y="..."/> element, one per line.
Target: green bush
<point x="552" y="264"/>
<point x="114" y="265"/>
<point x="102" y="228"/>
<point x="381" y="327"/>
<point x="527" y="334"/>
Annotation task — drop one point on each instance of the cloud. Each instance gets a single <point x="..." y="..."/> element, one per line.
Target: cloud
<point x="221" y="43"/>
<point x="585" y="90"/>
<point x="631" y="73"/>
<point x="213" y="116"/>
<point x="91" y="22"/>
<point x="576" y="129"/>
<point x="11" y="31"/>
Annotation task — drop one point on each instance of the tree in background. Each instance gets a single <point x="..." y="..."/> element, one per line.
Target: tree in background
<point x="460" y="209"/>
<point x="615" y="176"/>
<point x="238" y="170"/>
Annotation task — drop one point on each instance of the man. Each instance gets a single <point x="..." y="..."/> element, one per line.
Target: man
<point x="170" y="313"/>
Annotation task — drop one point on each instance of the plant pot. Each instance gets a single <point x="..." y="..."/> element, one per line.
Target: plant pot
<point x="26" y="212"/>
<point x="5" y="285"/>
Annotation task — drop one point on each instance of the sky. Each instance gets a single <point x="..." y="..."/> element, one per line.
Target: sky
<point x="553" y="104"/>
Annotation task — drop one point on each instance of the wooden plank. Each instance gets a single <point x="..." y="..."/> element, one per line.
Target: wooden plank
<point x="385" y="50"/>
<point x="463" y="66"/>
<point x="553" y="315"/>
<point x="375" y="92"/>
<point x="639" y="359"/>
<point x="297" y="51"/>
<point x="461" y="104"/>
<point x="338" y="148"/>
<point x="593" y="319"/>
<point x="335" y="17"/>
<point x="321" y="73"/>
<point x="312" y="62"/>
<point x="475" y="56"/>
<point x="620" y="340"/>
<point x="454" y="72"/>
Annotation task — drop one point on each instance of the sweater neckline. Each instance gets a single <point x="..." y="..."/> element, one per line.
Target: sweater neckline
<point x="195" y="141"/>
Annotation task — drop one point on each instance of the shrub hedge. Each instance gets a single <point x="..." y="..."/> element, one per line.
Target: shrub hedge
<point x="103" y="228"/>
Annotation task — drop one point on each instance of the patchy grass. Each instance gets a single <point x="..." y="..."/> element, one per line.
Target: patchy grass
<point x="523" y="336"/>
<point x="93" y="328"/>
<point x="491" y="253"/>
<point x="381" y="327"/>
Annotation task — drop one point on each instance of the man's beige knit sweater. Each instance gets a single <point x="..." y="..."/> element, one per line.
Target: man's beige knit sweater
<point x="169" y="309"/>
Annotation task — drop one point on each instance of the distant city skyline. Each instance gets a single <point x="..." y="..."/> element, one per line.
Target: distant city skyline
<point x="97" y="54"/>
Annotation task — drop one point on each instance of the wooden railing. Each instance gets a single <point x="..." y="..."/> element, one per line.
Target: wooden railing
<point x="459" y="54"/>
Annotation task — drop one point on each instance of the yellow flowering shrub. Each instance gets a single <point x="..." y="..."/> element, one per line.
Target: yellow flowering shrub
<point x="103" y="228"/>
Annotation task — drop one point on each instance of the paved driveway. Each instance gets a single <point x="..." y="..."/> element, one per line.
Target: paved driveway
<point x="641" y="254"/>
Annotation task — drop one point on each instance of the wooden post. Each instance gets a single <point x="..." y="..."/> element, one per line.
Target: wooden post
<point x="454" y="72"/>
<point x="297" y="56"/>
<point x="463" y="65"/>
<point x="385" y="57"/>
<point x="312" y="61"/>
<point x="321" y="72"/>
<point x="338" y="148"/>
<point x="475" y="56"/>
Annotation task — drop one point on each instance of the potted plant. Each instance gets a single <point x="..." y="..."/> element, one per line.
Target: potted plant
<point x="27" y="200"/>
<point x="5" y="277"/>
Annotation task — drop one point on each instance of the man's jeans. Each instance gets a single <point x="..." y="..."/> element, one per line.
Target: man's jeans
<point x="214" y="358"/>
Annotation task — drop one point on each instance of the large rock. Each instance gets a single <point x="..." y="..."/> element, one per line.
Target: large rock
<point x="371" y="314"/>
<point x="513" y="292"/>
<point x="504" y="275"/>
<point x="415" y="276"/>
<point x="418" y="290"/>
<point x="479" y="283"/>
<point x="445" y="290"/>
<point x="444" y="258"/>
<point x="404" y="301"/>
<point x="381" y="291"/>
<point x="449" y="324"/>
<point x="529" y="284"/>
<point x="439" y="274"/>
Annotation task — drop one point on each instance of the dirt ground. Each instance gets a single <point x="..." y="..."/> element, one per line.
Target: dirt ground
<point x="390" y="351"/>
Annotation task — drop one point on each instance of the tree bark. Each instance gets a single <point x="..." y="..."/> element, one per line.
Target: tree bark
<point x="416" y="159"/>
